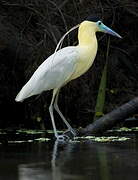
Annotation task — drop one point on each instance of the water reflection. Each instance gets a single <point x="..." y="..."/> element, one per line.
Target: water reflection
<point x="72" y="161"/>
<point x="61" y="155"/>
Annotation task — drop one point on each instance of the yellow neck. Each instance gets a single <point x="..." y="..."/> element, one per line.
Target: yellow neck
<point x="86" y="34"/>
<point x="87" y="48"/>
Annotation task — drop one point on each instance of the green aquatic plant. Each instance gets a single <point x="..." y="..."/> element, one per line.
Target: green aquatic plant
<point x="103" y="138"/>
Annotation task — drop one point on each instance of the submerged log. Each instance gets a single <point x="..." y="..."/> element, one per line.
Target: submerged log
<point x="111" y="119"/>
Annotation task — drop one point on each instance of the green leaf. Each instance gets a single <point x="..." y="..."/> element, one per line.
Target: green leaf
<point x="101" y="94"/>
<point x="102" y="88"/>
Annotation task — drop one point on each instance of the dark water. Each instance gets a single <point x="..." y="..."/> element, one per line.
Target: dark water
<point x="73" y="161"/>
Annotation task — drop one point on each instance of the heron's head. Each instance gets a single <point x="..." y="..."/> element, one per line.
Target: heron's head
<point x="96" y="25"/>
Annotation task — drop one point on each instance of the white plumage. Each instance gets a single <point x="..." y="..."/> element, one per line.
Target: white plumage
<point x="53" y="73"/>
<point x="63" y="66"/>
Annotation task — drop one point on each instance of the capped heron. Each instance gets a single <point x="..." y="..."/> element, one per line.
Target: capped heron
<point x="65" y="65"/>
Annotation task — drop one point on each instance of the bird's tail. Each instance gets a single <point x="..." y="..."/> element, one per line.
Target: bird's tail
<point x="25" y="92"/>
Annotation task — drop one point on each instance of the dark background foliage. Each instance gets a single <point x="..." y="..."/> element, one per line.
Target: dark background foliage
<point x="29" y="32"/>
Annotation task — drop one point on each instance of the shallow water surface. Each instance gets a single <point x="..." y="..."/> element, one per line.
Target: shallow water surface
<point x="85" y="160"/>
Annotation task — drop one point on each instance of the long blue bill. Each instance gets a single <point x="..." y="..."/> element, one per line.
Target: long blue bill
<point x="110" y="31"/>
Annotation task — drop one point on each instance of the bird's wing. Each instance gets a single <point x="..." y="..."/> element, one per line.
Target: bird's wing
<point x="57" y="69"/>
<point x="54" y="72"/>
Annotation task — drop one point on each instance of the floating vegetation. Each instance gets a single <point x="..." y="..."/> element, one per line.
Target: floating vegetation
<point x="30" y="131"/>
<point x="52" y="132"/>
<point x="18" y="142"/>
<point x="33" y="136"/>
<point x="42" y="139"/>
<point x="74" y="141"/>
<point x="124" y="129"/>
<point x="85" y="137"/>
<point x="103" y="138"/>
<point x="110" y="139"/>
<point x="9" y="136"/>
<point x="28" y="141"/>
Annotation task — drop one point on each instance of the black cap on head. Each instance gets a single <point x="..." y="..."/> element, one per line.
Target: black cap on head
<point x="92" y="18"/>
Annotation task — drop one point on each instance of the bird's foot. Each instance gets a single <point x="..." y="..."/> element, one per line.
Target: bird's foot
<point x="63" y="138"/>
<point x="71" y="133"/>
<point x="67" y="135"/>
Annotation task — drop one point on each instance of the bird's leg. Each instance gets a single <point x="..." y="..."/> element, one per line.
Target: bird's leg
<point x="51" y="114"/>
<point x="59" y="137"/>
<point x="61" y="115"/>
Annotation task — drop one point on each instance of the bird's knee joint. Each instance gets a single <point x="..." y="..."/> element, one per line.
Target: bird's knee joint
<point x="55" y="106"/>
<point x="50" y="108"/>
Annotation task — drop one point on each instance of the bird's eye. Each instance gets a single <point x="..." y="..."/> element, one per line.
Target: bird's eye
<point x="99" y="23"/>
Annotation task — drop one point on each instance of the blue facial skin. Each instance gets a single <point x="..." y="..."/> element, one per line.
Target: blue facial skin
<point x="106" y="29"/>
